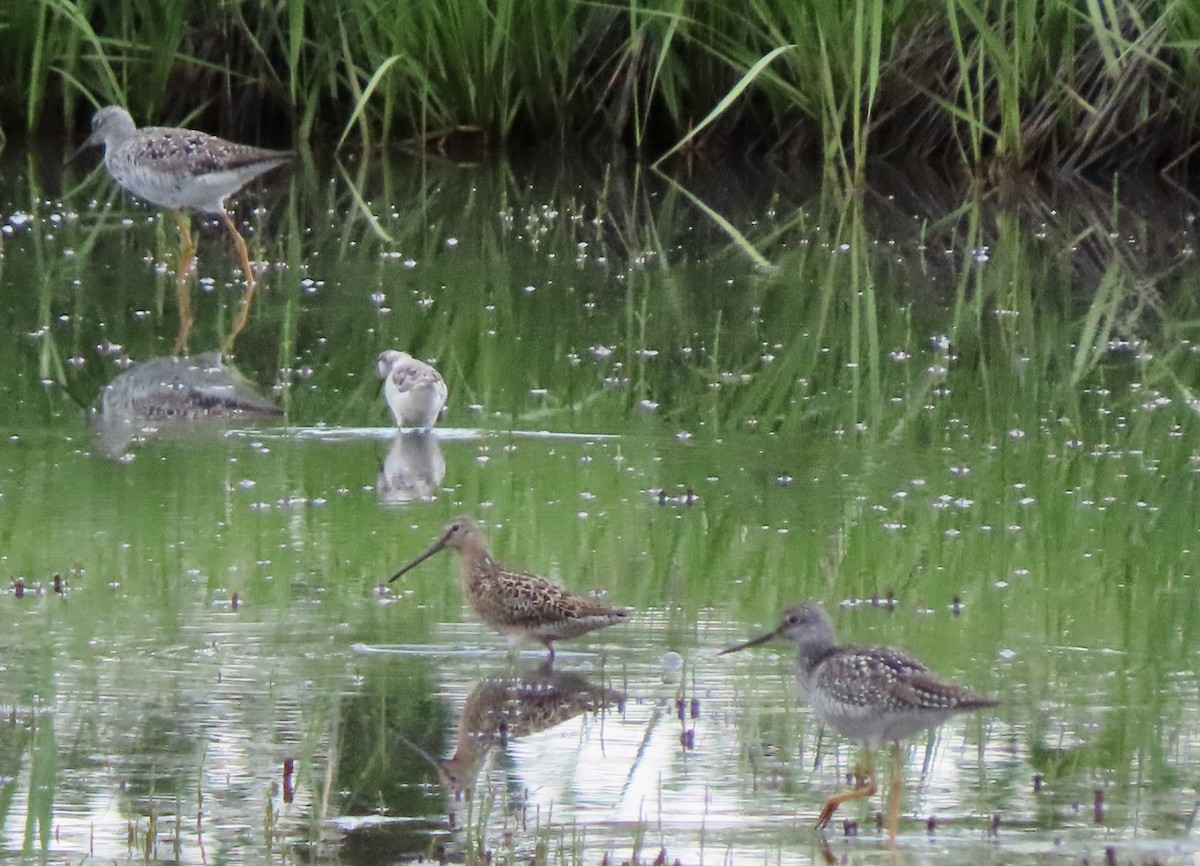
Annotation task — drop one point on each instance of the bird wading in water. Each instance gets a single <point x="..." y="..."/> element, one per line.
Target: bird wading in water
<point x="183" y="170"/>
<point x="521" y="606"/>
<point x="414" y="391"/>
<point x="871" y="694"/>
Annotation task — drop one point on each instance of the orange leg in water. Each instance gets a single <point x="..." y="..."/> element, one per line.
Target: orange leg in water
<point x="187" y="255"/>
<point x="865" y="788"/>
<point x="243" y="315"/>
<point x="895" y="792"/>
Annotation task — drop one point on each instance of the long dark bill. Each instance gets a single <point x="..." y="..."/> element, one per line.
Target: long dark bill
<point x="433" y="762"/>
<point x="440" y="545"/>
<point x="83" y="148"/>
<point x="762" y="638"/>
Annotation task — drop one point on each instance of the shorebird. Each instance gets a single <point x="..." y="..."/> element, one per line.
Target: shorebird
<point x="182" y="170"/>
<point x="415" y="392"/>
<point x="523" y="607"/>
<point x="870" y="694"/>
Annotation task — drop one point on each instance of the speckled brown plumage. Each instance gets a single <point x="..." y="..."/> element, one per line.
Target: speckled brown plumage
<point x="871" y="694"/>
<point x="521" y="606"/>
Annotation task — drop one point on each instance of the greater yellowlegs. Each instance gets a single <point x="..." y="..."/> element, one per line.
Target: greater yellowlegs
<point x="415" y="392"/>
<point x="870" y="694"/>
<point x="182" y="170"/>
<point x="521" y="606"/>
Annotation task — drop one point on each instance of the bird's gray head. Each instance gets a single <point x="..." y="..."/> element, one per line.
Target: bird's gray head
<point x="388" y="359"/>
<point x="109" y="124"/>
<point x="804" y="624"/>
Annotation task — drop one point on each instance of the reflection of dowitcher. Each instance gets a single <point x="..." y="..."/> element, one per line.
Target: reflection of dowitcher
<point x="182" y="170"/>
<point x="415" y="392"/>
<point x="521" y="606"/>
<point x="871" y="694"/>
<point x="499" y="710"/>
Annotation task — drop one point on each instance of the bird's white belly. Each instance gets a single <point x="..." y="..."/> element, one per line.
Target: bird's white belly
<point x="415" y="407"/>
<point x="199" y="192"/>
<point x="870" y="727"/>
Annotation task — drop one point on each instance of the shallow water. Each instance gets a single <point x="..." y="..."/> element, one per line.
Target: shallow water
<point x="825" y="399"/>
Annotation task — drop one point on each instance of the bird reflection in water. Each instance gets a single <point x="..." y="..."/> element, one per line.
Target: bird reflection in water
<point x="508" y="708"/>
<point x="173" y="394"/>
<point x="412" y="470"/>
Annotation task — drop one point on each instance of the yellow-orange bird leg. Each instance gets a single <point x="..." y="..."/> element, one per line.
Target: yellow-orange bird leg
<point x="243" y="314"/>
<point x="865" y="788"/>
<point x="895" y="791"/>
<point x="187" y="256"/>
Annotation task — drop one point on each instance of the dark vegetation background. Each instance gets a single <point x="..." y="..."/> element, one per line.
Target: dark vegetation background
<point x="988" y="87"/>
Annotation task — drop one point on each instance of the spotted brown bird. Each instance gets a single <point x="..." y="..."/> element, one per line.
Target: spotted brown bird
<point x="521" y="606"/>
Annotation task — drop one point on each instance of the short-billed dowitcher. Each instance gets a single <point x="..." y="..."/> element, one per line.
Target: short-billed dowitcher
<point x="521" y="606"/>
<point x="871" y="694"/>
<point x="415" y="392"/>
<point x="182" y="170"/>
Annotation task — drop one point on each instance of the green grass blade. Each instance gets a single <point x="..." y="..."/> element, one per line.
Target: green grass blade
<point x="728" y="99"/>
<point x="740" y="240"/>
<point x="361" y="104"/>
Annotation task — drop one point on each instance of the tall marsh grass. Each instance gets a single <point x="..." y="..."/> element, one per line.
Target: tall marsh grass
<point x="985" y="85"/>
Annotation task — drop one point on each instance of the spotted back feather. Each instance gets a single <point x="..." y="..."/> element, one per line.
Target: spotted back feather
<point x="189" y="152"/>
<point x="405" y="378"/>
<point x="509" y="599"/>
<point x="886" y="678"/>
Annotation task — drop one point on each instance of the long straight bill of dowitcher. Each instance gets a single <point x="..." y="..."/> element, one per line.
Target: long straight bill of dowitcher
<point x="437" y="548"/>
